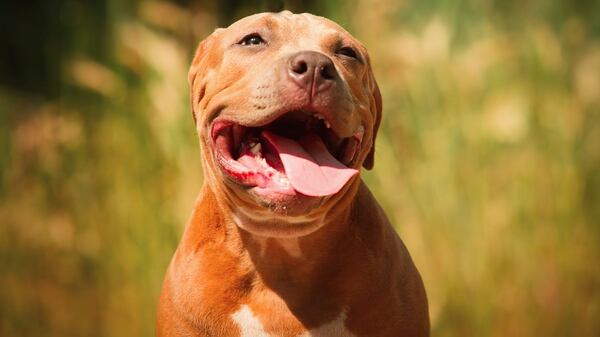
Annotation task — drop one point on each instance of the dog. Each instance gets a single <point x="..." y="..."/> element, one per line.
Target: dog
<point x="285" y="239"/>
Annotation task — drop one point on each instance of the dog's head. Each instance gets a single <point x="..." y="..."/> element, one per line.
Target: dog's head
<point x="287" y="109"/>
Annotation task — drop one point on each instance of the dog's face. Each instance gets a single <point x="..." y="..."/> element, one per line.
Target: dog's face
<point x="287" y="109"/>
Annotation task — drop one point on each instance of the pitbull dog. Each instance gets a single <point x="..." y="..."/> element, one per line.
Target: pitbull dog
<point x="285" y="239"/>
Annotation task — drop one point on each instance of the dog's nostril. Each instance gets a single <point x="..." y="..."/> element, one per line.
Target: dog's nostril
<point x="327" y="71"/>
<point x="299" y="67"/>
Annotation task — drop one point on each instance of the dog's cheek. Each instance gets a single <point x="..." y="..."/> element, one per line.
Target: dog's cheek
<point x="197" y="94"/>
<point x="205" y="60"/>
<point x="377" y="108"/>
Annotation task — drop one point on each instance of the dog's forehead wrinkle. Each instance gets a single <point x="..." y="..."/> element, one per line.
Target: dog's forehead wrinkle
<point x="294" y="26"/>
<point x="299" y="24"/>
<point x="271" y="23"/>
<point x="262" y="25"/>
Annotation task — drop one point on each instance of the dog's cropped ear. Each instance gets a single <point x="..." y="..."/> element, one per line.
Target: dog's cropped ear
<point x="370" y="159"/>
<point x="199" y="67"/>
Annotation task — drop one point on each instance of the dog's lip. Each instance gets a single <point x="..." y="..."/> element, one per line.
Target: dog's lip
<point x="221" y="123"/>
<point x="232" y="143"/>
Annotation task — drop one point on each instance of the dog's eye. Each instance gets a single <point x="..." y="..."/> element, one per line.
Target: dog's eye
<point x="347" y="51"/>
<point x="252" y="40"/>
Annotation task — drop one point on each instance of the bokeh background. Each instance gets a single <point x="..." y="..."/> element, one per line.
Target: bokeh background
<point x="488" y="159"/>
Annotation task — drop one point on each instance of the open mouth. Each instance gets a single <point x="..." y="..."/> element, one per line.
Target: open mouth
<point x="298" y="153"/>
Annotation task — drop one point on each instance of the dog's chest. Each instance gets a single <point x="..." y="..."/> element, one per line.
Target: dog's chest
<point x="251" y="325"/>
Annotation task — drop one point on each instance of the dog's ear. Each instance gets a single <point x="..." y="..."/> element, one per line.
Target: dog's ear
<point x="370" y="159"/>
<point x="199" y="66"/>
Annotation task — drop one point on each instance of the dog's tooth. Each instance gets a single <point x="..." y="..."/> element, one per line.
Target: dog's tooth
<point x="255" y="149"/>
<point x="327" y="125"/>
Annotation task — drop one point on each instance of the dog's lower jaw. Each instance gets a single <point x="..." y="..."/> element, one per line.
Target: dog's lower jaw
<point x="294" y="217"/>
<point x="288" y="219"/>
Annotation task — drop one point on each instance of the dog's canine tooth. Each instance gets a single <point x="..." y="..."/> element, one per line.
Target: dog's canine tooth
<point x="255" y="149"/>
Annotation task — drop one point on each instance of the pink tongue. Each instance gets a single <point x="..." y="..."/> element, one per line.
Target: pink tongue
<point x="309" y="166"/>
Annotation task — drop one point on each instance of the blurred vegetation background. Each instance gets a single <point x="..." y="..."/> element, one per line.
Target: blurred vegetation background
<point x="488" y="160"/>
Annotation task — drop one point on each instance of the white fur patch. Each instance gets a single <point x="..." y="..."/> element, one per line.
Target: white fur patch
<point x="335" y="328"/>
<point x="250" y="326"/>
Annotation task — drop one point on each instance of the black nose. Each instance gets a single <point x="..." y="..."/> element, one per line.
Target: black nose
<point x="312" y="71"/>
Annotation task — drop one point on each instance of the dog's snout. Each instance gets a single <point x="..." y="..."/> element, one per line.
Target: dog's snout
<point x="312" y="71"/>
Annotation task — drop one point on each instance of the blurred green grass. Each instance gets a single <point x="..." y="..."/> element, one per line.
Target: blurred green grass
<point x="488" y="159"/>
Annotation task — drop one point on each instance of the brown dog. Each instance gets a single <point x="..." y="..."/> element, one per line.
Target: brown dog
<point x="285" y="239"/>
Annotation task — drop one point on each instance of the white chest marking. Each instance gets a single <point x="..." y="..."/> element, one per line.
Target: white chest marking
<point x="250" y="326"/>
<point x="335" y="328"/>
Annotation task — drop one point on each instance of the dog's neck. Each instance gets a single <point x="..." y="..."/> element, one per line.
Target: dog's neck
<point x="316" y="278"/>
<point x="291" y="267"/>
<point x="297" y="256"/>
<point x="287" y="255"/>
